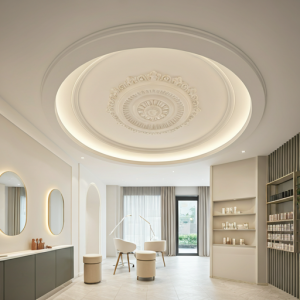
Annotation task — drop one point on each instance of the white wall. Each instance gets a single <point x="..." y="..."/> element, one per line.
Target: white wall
<point x="92" y="220"/>
<point x="186" y="191"/>
<point x="25" y="126"/>
<point x="2" y="207"/>
<point x="41" y="171"/>
<point x="21" y="126"/>
<point x="86" y="179"/>
<point x="112" y="192"/>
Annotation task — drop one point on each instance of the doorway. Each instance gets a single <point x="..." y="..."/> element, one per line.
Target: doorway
<point x="187" y="220"/>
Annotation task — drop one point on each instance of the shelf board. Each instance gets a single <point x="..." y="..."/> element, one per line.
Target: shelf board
<point x="280" y="240"/>
<point x="281" y="231"/>
<point x="234" y="229"/>
<point x="290" y="198"/>
<point x="234" y="215"/>
<point x="241" y="246"/>
<point x="235" y="199"/>
<point x="282" y="179"/>
<point x="280" y="250"/>
<point x="289" y="220"/>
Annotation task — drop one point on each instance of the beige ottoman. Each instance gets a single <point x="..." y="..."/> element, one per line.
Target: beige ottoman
<point x="92" y="268"/>
<point x="145" y="264"/>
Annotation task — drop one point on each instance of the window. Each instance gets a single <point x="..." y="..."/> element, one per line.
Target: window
<point x="145" y="202"/>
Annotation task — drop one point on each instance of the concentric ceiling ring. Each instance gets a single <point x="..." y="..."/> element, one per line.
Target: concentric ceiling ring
<point x="163" y="36"/>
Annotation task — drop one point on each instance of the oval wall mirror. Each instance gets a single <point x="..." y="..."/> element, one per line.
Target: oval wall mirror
<point x="13" y="204"/>
<point x="56" y="212"/>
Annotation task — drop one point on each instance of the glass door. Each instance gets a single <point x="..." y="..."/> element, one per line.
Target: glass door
<point x="187" y="225"/>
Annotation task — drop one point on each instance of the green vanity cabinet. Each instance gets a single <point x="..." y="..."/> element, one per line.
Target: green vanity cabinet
<point x="19" y="278"/>
<point x="32" y="276"/>
<point x="1" y="281"/>
<point x="45" y="273"/>
<point x="64" y="265"/>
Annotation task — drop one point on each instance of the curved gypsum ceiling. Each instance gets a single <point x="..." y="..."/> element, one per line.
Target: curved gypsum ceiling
<point x="155" y="105"/>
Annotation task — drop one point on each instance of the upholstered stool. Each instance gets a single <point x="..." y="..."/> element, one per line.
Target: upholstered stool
<point x="157" y="246"/>
<point x="92" y="268"/>
<point x="145" y="264"/>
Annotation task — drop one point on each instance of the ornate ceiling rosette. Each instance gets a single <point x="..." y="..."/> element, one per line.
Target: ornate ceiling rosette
<point x="153" y="103"/>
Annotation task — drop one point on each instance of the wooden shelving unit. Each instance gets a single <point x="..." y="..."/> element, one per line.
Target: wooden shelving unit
<point x="284" y="205"/>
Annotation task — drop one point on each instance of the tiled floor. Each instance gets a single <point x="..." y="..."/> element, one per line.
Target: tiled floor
<point x="185" y="277"/>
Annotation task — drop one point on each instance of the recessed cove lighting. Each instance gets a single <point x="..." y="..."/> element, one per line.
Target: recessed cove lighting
<point x="206" y="132"/>
<point x="243" y="151"/>
<point x="82" y="157"/>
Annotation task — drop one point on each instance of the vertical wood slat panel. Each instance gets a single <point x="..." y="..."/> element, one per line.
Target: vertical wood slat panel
<point x="283" y="267"/>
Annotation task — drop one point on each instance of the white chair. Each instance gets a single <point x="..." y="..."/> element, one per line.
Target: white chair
<point x="157" y="246"/>
<point x="123" y="247"/>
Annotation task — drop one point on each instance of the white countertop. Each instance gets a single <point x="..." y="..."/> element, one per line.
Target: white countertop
<point x="12" y="255"/>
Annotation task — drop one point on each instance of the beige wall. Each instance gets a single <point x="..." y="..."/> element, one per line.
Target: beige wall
<point x="2" y="207"/>
<point x="234" y="180"/>
<point x="41" y="171"/>
<point x="112" y="192"/>
<point x="240" y="179"/>
<point x="80" y="182"/>
<point x="186" y="190"/>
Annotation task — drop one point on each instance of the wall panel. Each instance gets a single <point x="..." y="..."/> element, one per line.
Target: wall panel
<point x="283" y="267"/>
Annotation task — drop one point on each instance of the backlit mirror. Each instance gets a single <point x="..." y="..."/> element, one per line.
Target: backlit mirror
<point x="56" y="212"/>
<point x="13" y="204"/>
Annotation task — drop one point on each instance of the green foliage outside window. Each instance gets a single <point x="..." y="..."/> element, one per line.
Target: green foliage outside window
<point x="190" y="239"/>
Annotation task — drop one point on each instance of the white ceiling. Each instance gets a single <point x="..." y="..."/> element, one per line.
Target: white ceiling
<point x="34" y="33"/>
<point x="207" y="106"/>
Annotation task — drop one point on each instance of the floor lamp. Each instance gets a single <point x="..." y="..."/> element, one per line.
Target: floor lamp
<point x="151" y="230"/>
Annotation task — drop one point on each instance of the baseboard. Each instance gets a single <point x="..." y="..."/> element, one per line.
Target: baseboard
<point x="240" y="281"/>
<point x="56" y="290"/>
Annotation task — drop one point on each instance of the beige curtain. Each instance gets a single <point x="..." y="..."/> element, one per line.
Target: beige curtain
<point x="168" y="219"/>
<point x="204" y="213"/>
<point x="145" y="202"/>
<point x="119" y="213"/>
<point x="14" y="195"/>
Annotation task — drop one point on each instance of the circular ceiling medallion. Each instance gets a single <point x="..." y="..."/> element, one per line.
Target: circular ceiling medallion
<point x="138" y="105"/>
<point x="153" y="103"/>
<point x="153" y="110"/>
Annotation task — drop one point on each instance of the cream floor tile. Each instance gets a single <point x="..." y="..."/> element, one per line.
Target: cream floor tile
<point x="184" y="278"/>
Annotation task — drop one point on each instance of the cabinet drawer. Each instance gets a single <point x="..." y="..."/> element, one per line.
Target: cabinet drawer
<point x="45" y="273"/>
<point x="19" y="276"/>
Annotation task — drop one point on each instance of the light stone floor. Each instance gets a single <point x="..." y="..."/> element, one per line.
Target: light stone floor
<point x="185" y="277"/>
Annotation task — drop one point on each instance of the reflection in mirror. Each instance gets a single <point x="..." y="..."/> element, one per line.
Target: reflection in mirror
<point x="13" y="204"/>
<point x="56" y="212"/>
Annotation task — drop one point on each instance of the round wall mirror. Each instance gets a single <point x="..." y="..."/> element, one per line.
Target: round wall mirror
<point x="56" y="212"/>
<point x="13" y="204"/>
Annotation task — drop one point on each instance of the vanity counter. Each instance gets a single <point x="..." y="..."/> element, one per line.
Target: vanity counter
<point x="31" y="274"/>
<point x="17" y="254"/>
